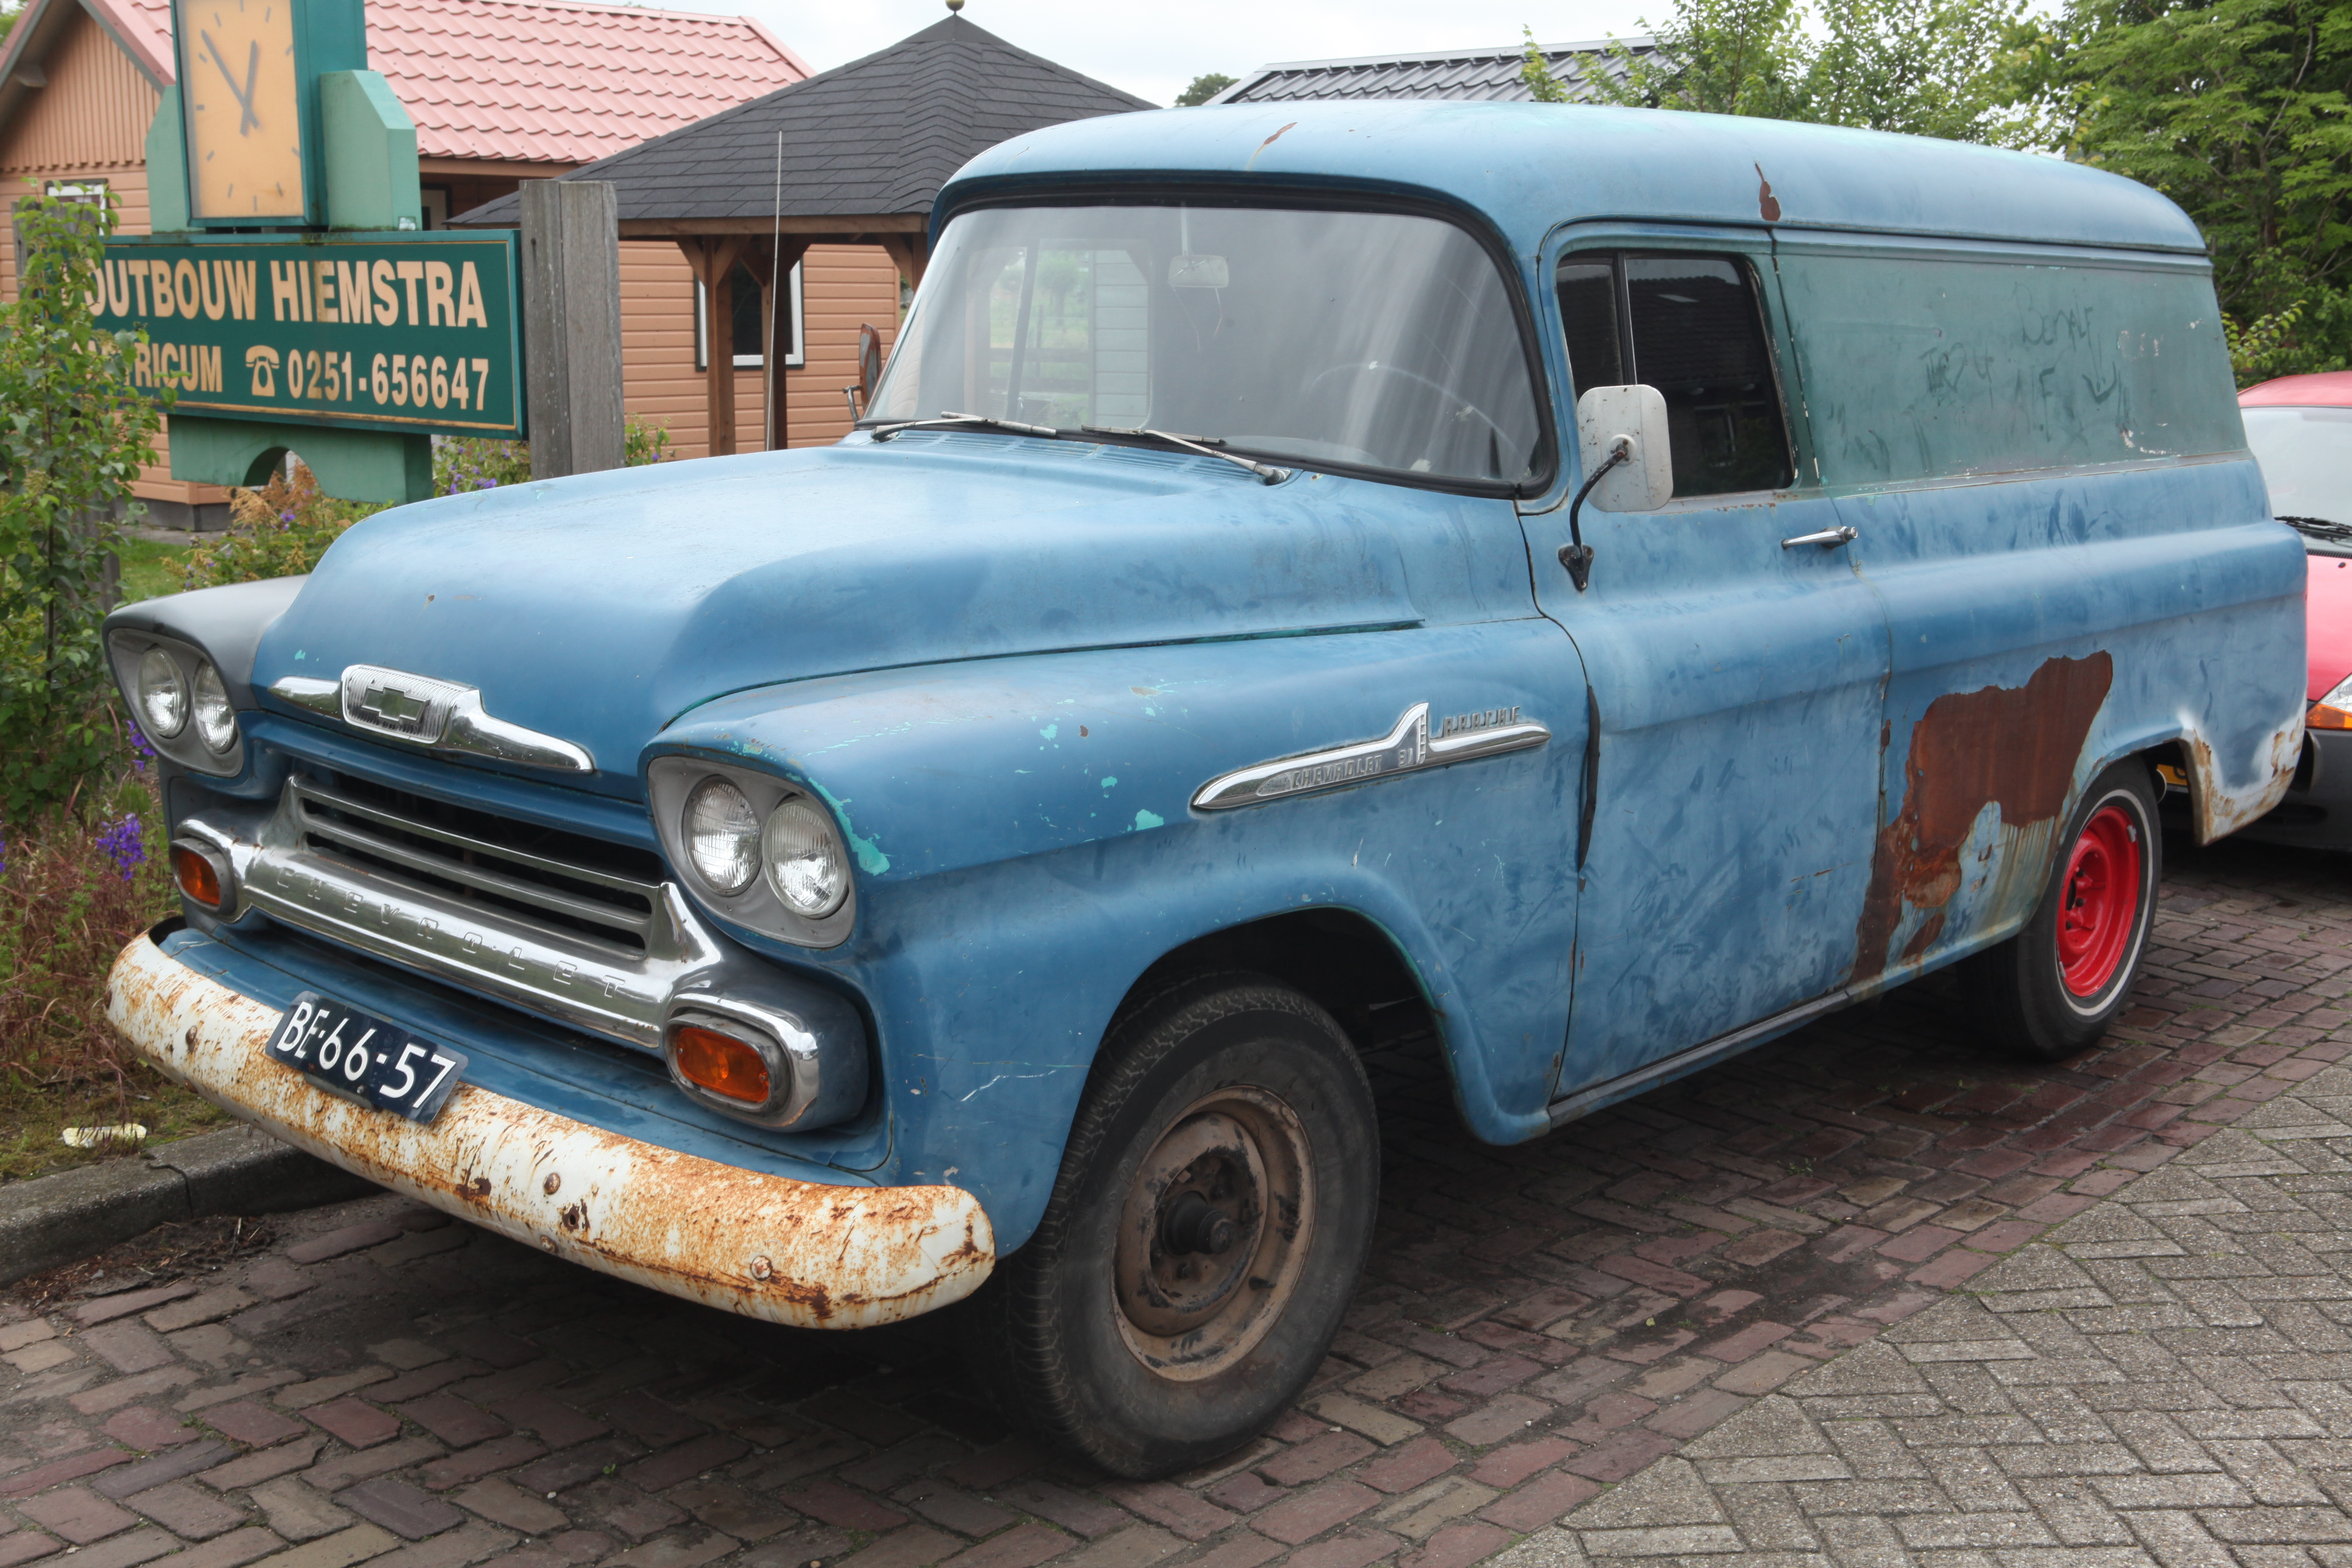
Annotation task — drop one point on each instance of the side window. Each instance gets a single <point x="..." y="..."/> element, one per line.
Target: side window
<point x="1690" y="326"/>
<point x="2004" y="364"/>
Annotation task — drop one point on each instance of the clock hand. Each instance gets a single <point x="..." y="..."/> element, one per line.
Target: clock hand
<point x="252" y="69"/>
<point x="245" y="98"/>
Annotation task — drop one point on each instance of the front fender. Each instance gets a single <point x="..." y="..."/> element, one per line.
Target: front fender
<point x="1027" y="848"/>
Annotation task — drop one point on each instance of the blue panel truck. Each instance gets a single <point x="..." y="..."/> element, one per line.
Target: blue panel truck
<point x="1593" y="588"/>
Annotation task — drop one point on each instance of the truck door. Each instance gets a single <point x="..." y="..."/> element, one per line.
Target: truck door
<point x="1736" y="677"/>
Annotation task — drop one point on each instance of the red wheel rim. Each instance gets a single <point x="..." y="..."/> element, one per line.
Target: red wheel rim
<point x="2101" y="903"/>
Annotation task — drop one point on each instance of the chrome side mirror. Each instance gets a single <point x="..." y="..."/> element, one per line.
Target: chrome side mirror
<point x="1629" y="464"/>
<point x="1631" y="420"/>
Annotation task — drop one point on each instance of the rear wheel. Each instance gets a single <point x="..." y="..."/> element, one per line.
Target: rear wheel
<point x="1213" y="1209"/>
<point x="2050" y="990"/>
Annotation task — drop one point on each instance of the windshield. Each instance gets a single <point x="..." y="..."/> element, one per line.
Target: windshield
<point x="2306" y="459"/>
<point x="1369" y="340"/>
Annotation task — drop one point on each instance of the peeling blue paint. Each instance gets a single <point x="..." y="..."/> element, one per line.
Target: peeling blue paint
<point x="870" y="859"/>
<point x="1109" y="782"/>
<point x="1144" y="819"/>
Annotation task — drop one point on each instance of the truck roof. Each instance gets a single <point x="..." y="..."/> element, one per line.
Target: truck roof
<point x="1528" y="167"/>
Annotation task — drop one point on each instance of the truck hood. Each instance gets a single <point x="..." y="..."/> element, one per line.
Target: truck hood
<point x="602" y="607"/>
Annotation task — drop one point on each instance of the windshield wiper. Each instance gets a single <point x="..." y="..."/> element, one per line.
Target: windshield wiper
<point x="1200" y="444"/>
<point x="945" y="416"/>
<point x="2320" y="528"/>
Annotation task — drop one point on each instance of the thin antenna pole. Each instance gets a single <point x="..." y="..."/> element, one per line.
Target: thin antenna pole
<point x="779" y="299"/>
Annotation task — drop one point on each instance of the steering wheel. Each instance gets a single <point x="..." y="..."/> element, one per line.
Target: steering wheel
<point x="1373" y="366"/>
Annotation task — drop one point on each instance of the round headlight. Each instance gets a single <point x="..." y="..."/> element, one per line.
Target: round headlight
<point x="163" y="694"/>
<point x="804" y="859"/>
<point x="215" y="719"/>
<point x="723" y="837"/>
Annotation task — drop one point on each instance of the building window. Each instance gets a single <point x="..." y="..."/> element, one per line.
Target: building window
<point x="744" y="291"/>
<point x="90" y="191"/>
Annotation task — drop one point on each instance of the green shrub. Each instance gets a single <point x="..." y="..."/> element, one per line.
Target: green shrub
<point x="279" y="530"/>
<point x="74" y="433"/>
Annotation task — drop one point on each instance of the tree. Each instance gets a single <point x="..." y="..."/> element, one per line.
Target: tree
<point x="1928" y="68"/>
<point x="2237" y="110"/>
<point x="1203" y="88"/>
<point x="74" y="433"/>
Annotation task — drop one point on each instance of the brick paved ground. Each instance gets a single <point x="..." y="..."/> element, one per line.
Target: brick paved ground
<point x="2165" y="1378"/>
<point x="1671" y="1292"/>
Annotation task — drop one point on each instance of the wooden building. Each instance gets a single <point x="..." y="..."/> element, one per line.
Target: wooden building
<point x="838" y="165"/>
<point x="501" y="91"/>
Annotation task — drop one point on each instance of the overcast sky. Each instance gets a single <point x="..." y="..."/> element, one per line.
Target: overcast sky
<point x="1154" y="50"/>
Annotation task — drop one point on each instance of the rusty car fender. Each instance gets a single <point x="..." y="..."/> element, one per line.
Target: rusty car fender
<point x="798" y="1253"/>
<point x="2219" y="808"/>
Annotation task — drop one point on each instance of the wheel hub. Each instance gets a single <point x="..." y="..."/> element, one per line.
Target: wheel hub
<point x="1189" y="1225"/>
<point x="1213" y="1233"/>
<point x="2101" y="909"/>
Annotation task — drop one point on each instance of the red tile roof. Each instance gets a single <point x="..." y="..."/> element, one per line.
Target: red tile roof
<point x="542" y="81"/>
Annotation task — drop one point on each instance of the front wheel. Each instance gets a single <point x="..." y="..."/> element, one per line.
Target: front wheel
<point x="2052" y="990"/>
<point x="1213" y="1211"/>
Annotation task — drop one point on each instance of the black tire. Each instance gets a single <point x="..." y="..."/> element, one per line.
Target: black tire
<point x="2051" y="991"/>
<point x="1094" y="1332"/>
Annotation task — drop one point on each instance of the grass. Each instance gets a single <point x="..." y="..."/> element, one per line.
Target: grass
<point x="32" y="1140"/>
<point x="67" y="907"/>
<point x="146" y="568"/>
<point x="74" y="888"/>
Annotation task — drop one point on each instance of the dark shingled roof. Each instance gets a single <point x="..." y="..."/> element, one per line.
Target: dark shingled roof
<point x="876" y="136"/>
<point x="1457" y="73"/>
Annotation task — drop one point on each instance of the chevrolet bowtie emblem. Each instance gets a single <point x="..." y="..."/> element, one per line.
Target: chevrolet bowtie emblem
<point x="393" y="709"/>
<point x="427" y="712"/>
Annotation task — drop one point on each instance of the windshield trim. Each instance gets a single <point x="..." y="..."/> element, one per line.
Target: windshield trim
<point x="1545" y="466"/>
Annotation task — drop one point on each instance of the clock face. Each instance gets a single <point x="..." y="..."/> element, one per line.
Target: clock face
<point x="238" y="82"/>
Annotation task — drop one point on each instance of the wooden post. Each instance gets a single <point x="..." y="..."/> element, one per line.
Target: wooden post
<point x="572" y="325"/>
<point x="713" y="259"/>
<point x="907" y="251"/>
<point x="779" y="337"/>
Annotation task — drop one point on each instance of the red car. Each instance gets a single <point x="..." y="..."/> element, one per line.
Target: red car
<point x="2300" y="428"/>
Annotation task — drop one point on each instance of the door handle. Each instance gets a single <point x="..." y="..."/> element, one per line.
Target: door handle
<point x="1828" y="538"/>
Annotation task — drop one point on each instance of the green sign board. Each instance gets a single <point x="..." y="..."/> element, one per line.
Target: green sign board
<point x="412" y="333"/>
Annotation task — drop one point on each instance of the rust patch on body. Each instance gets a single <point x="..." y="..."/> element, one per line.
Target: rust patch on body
<point x="1766" y="204"/>
<point x="2013" y="747"/>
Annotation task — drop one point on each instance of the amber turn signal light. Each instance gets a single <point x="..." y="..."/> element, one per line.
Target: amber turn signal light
<point x="2323" y="717"/>
<point x="720" y="1063"/>
<point x="195" y="876"/>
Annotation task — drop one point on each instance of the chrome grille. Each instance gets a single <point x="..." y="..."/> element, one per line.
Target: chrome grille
<point x="408" y="845"/>
<point x="574" y="927"/>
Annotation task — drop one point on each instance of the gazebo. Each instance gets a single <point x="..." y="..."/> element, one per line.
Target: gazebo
<point x="852" y="156"/>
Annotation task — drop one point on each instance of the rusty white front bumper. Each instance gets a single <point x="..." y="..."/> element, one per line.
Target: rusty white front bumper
<point x="767" y="1247"/>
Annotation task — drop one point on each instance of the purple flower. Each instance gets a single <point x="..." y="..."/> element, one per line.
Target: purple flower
<point x="124" y="843"/>
<point x="141" y="751"/>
